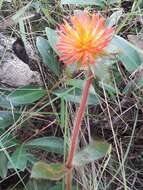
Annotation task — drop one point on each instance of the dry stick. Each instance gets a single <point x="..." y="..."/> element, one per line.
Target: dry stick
<point x="131" y="87"/>
<point x="76" y="129"/>
<point x="9" y="22"/>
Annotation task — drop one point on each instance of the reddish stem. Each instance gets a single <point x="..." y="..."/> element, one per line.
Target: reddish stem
<point x="68" y="180"/>
<point x="77" y="126"/>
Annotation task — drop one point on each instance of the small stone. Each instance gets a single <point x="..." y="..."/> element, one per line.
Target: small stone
<point x="13" y="71"/>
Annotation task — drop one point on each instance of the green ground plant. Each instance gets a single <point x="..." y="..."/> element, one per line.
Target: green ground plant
<point x="36" y="122"/>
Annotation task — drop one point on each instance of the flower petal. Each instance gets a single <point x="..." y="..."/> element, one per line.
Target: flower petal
<point x="84" y="39"/>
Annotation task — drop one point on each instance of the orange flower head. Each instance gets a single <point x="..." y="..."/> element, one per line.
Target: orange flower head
<point x="84" y="39"/>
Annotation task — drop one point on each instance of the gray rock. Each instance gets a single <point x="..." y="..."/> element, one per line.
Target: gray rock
<point x="13" y="71"/>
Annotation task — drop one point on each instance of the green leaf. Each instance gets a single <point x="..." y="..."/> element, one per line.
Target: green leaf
<point x="4" y="103"/>
<point x="22" y="96"/>
<point x="50" y="144"/>
<point x="3" y="165"/>
<point x="42" y="170"/>
<point x="59" y="186"/>
<point x="78" y="83"/>
<point x="127" y="53"/>
<point x="75" y="94"/>
<point x="92" y="152"/>
<point x="26" y="95"/>
<point x="22" y="30"/>
<point x="32" y="159"/>
<point x="52" y="38"/>
<point x="139" y="84"/>
<point x="37" y="185"/>
<point x="20" y="158"/>
<point x="20" y="13"/>
<point x="100" y="3"/>
<point x="47" y="12"/>
<point x="1" y="2"/>
<point x="83" y="2"/>
<point x="7" y="139"/>
<point x="112" y="90"/>
<point x="48" y="55"/>
<point x="111" y="2"/>
<point x="101" y="69"/>
<point x="114" y="18"/>
<point x="8" y="118"/>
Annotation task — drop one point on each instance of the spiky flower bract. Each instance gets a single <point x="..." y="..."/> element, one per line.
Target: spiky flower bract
<point x="83" y="39"/>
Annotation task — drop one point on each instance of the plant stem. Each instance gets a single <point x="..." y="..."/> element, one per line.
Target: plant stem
<point x="76" y="128"/>
<point x="69" y="180"/>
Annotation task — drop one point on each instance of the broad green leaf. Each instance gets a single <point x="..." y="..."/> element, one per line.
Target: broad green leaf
<point x="22" y="96"/>
<point x="75" y="94"/>
<point x="100" y="3"/>
<point x="78" y="83"/>
<point x="37" y="185"/>
<point x="32" y="159"/>
<point x="139" y="84"/>
<point x="4" y="103"/>
<point x="140" y="4"/>
<point x="22" y="31"/>
<point x="59" y="186"/>
<point x="20" y="13"/>
<point x="1" y="2"/>
<point x="52" y="38"/>
<point x="114" y="18"/>
<point x="101" y="69"/>
<point x="3" y="165"/>
<point x="92" y="152"/>
<point x="109" y="88"/>
<point x="50" y="144"/>
<point x="63" y="113"/>
<point x="10" y="161"/>
<point x="111" y="2"/>
<point x="7" y="118"/>
<point x="48" y="55"/>
<point x="127" y="53"/>
<point x="7" y="139"/>
<point x="46" y="11"/>
<point x="20" y="158"/>
<point x="83" y="2"/>
<point x="43" y="170"/>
